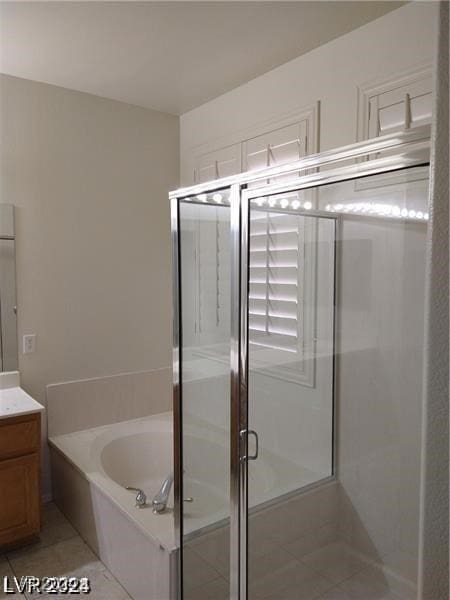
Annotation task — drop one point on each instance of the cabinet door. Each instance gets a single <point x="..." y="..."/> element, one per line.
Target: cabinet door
<point x="19" y="498"/>
<point x="19" y="436"/>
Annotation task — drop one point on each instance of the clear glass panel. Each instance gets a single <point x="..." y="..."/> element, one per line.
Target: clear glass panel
<point x="205" y="391"/>
<point x="355" y="535"/>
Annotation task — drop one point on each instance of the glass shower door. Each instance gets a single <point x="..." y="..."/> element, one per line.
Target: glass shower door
<point x="336" y="279"/>
<point x="204" y="279"/>
<point x="290" y="382"/>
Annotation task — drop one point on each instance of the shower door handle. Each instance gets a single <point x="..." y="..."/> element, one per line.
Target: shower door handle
<point x="247" y="432"/>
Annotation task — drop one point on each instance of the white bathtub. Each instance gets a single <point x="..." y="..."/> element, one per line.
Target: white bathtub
<point x="91" y="469"/>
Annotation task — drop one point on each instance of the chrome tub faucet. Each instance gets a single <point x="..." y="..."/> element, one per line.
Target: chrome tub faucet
<point x="160" y="500"/>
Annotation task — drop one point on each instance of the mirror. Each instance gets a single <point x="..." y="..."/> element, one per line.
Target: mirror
<point x="8" y="319"/>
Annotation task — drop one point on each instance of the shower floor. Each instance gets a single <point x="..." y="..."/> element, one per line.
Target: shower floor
<point x="276" y="572"/>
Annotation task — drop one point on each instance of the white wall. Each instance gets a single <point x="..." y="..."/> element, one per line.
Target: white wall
<point x="89" y="179"/>
<point x="398" y="41"/>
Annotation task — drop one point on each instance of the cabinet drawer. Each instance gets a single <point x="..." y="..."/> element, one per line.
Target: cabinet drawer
<point x="19" y="498"/>
<point x="19" y="435"/>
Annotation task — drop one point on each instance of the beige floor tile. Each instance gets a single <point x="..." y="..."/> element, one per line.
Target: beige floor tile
<point x="403" y="565"/>
<point x="103" y="587"/>
<point x="268" y="563"/>
<point x="336" y="562"/>
<point x="55" y="527"/>
<point x="4" y="566"/>
<point x="336" y="593"/>
<point x="292" y="580"/>
<point x="304" y="589"/>
<point x="214" y="590"/>
<point x="214" y="548"/>
<point x="287" y="522"/>
<point x="259" y="543"/>
<point x="6" y="571"/>
<point x="369" y="584"/>
<point x="311" y="541"/>
<point x="68" y="558"/>
<point x="196" y="571"/>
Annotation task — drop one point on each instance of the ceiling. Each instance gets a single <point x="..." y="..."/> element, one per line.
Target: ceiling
<point x="169" y="56"/>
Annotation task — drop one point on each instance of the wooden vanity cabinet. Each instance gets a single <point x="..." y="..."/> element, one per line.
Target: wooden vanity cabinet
<point x="19" y="478"/>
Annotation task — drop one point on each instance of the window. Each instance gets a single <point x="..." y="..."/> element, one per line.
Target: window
<point x="281" y="295"/>
<point x="392" y="105"/>
<point x="277" y="147"/>
<point x="384" y="107"/>
<point x="219" y="163"/>
<point x="281" y="319"/>
<point x="271" y="143"/>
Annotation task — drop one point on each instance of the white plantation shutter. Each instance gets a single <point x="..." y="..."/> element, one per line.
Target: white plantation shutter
<point x="217" y="164"/>
<point x="390" y="106"/>
<point x="395" y="104"/>
<point x="214" y="275"/>
<point x="281" y="294"/>
<point x="281" y="319"/>
<point x="280" y="326"/>
<point x="274" y="280"/>
<point x="401" y="108"/>
<point x="277" y="147"/>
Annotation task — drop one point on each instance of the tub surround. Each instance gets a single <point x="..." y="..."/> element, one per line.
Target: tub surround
<point x="83" y="404"/>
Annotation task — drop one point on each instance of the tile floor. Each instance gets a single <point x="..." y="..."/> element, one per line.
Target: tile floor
<point x="332" y="572"/>
<point x="60" y="552"/>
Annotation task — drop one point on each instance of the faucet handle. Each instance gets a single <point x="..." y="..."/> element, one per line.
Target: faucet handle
<point x="141" y="498"/>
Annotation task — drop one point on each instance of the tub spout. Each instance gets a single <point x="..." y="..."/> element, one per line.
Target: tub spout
<point x="161" y="499"/>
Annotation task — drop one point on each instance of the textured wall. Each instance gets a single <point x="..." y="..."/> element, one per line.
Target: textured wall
<point x="434" y="565"/>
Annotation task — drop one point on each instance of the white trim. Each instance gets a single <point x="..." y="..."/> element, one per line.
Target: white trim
<point x="373" y="89"/>
<point x="309" y="113"/>
<point x="379" y="86"/>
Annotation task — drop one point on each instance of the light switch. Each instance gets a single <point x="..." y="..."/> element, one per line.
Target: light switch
<point x="29" y="343"/>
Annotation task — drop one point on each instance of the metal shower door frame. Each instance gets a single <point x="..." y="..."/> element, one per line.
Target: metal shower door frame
<point x="411" y="149"/>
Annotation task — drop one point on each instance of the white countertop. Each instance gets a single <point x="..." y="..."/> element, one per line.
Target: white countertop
<point x="14" y="401"/>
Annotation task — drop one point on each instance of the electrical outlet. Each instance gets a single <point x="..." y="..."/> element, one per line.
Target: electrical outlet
<point x="29" y="343"/>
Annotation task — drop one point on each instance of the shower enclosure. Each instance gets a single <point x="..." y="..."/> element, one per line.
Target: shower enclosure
<point x="298" y="327"/>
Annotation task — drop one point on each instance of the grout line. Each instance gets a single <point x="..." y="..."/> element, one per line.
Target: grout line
<point x="196" y="588"/>
<point x="323" y="575"/>
<point x="15" y="575"/>
<point x="206" y="561"/>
